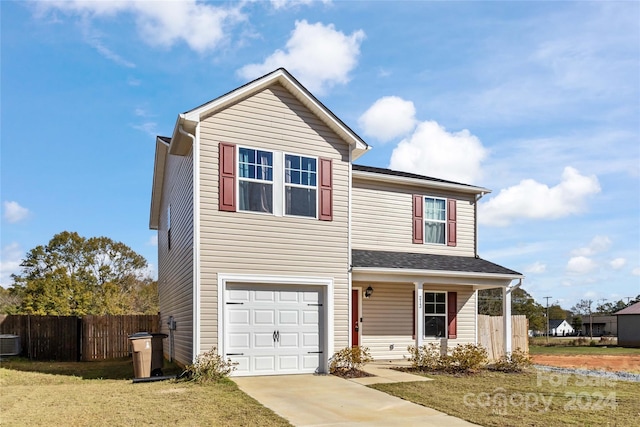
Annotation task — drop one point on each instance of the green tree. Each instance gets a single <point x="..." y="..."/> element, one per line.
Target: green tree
<point x="490" y="303"/>
<point x="72" y="275"/>
<point x="9" y="301"/>
<point x="558" y="313"/>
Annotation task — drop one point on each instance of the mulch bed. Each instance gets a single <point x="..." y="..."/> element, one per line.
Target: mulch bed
<point x="352" y="373"/>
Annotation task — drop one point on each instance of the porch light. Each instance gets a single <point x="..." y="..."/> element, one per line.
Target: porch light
<point x="368" y="292"/>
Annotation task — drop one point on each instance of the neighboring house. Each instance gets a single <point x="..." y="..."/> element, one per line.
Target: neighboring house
<point x="277" y="250"/>
<point x="629" y="326"/>
<point x="560" y="328"/>
<point x="601" y="325"/>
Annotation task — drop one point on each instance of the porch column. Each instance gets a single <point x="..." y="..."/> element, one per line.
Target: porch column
<point x="506" y="316"/>
<point x="419" y="310"/>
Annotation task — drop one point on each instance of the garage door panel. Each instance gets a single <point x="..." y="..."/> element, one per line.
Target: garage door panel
<point x="289" y="340"/>
<point x="310" y="341"/>
<point x="238" y="295"/>
<point x="288" y="296"/>
<point x="264" y="296"/>
<point x="310" y="297"/>
<point x="289" y="363"/>
<point x="263" y="340"/>
<point x="310" y="317"/>
<point x="263" y="317"/>
<point x="264" y="363"/>
<point x="288" y="317"/>
<point x="310" y="361"/>
<point x="239" y="340"/>
<point x="238" y="316"/>
<point x="243" y="362"/>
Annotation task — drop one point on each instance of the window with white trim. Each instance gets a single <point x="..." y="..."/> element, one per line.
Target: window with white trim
<point x="435" y="220"/>
<point x="255" y="180"/>
<point x="300" y="185"/>
<point x="435" y="314"/>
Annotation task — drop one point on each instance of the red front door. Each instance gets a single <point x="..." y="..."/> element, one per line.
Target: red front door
<point x="355" y="317"/>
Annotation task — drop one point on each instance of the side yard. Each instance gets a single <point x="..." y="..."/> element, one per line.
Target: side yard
<point x="528" y="399"/>
<point x="102" y="394"/>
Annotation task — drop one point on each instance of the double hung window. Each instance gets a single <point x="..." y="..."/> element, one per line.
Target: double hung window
<point x="435" y="314"/>
<point x="255" y="180"/>
<point x="300" y="185"/>
<point x="435" y="220"/>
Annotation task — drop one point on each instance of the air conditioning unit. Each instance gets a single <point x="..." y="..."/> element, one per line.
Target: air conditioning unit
<point x="9" y="345"/>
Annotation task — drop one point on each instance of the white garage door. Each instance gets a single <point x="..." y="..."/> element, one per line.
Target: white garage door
<point x="273" y="330"/>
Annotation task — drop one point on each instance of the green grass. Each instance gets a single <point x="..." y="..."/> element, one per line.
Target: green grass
<point x="501" y="399"/>
<point x="588" y="350"/>
<point x="102" y="394"/>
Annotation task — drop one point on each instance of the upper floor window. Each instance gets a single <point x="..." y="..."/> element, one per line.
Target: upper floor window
<point x="255" y="180"/>
<point x="435" y="220"/>
<point x="300" y="185"/>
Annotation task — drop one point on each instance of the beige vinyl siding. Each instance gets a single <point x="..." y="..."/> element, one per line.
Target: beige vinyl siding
<point x="387" y="318"/>
<point x="263" y="244"/>
<point x="382" y="219"/>
<point x="175" y="269"/>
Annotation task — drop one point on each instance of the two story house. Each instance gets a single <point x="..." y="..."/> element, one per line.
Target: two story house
<point x="276" y="249"/>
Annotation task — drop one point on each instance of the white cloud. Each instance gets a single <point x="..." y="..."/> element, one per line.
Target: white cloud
<point x="580" y="265"/>
<point x="617" y="263"/>
<point x="318" y="55"/>
<point x="10" y="259"/>
<point x="202" y="26"/>
<point x="95" y="40"/>
<point x="13" y="212"/>
<point x="533" y="200"/>
<point x="636" y="271"/>
<point x="433" y="151"/>
<point x="598" y="244"/>
<point x="284" y="4"/>
<point x="536" y="267"/>
<point x="149" y="128"/>
<point x="388" y="118"/>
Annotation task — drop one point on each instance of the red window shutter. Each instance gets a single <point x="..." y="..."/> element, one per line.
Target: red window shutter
<point x="418" y="219"/>
<point x="227" y="177"/>
<point x="452" y="313"/>
<point x="451" y="223"/>
<point x="325" y="200"/>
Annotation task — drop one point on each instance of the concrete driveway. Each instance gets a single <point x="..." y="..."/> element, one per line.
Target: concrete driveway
<point x="326" y="400"/>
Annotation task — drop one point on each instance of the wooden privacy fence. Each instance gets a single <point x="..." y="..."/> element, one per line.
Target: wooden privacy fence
<point x="491" y="334"/>
<point x="71" y="338"/>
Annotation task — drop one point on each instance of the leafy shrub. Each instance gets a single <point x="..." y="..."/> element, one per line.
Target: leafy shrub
<point x="425" y="357"/>
<point x="517" y="361"/>
<point x="464" y="358"/>
<point x="592" y="343"/>
<point x="210" y="366"/>
<point x="349" y="359"/>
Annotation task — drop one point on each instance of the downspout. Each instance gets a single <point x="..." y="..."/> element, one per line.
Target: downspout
<point x="196" y="243"/>
<point x="475" y="221"/>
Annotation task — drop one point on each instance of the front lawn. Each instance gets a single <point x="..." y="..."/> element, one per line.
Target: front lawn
<point x="529" y="399"/>
<point x="102" y="394"/>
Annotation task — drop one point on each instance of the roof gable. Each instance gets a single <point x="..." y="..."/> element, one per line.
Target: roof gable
<point x="188" y="120"/>
<point x="632" y="309"/>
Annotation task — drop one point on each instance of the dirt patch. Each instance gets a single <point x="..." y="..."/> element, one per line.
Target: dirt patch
<point x="352" y="373"/>
<point x="626" y="363"/>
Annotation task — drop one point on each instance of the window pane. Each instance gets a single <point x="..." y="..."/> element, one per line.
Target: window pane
<point x="434" y="232"/>
<point x="434" y="209"/>
<point x="430" y="308"/>
<point x="429" y="297"/>
<point x="300" y="201"/>
<point x="293" y="177"/>
<point x="292" y="162"/>
<point x="434" y="326"/>
<point x="308" y="164"/>
<point x="247" y="155"/>
<point x="440" y="297"/>
<point x="440" y="308"/>
<point x="255" y="197"/>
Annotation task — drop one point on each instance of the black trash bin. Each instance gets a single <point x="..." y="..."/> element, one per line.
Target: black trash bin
<point x="157" y="356"/>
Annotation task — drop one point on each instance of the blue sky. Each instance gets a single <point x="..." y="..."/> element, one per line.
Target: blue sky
<point x="539" y="101"/>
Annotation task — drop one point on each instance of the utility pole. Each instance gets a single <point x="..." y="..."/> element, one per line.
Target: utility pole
<point x="547" y="298"/>
<point x="590" y="321"/>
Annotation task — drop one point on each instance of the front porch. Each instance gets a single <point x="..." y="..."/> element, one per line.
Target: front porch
<point x="395" y="305"/>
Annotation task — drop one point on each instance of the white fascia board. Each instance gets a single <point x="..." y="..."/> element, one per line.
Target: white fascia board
<point x="444" y="277"/>
<point x="371" y="176"/>
<point x="158" y="181"/>
<point x="279" y="76"/>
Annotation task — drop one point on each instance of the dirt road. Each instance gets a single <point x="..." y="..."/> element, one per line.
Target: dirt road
<point x="626" y="363"/>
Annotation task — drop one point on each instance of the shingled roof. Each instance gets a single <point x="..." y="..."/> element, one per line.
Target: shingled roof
<point x="414" y="261"/>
